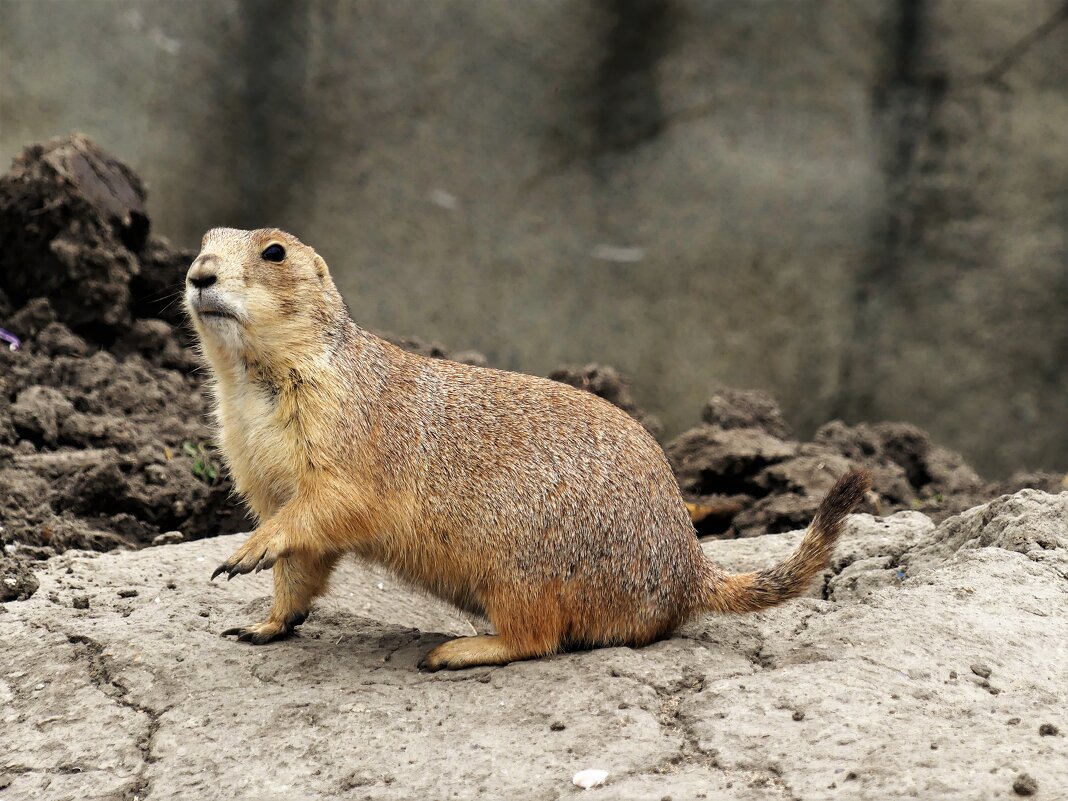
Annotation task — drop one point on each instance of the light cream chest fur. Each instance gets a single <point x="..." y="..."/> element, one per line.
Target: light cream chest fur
<point x="260" y="448"/>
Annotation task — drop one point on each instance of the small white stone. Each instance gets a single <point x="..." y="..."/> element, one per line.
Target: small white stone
<point x="621" y="254"/>
<point x="39" y="686"/>
<point x="443" y="199"/>
<point x="591" y="777"/>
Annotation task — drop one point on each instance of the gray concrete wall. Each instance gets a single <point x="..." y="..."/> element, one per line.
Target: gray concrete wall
<point x="859" y="205"/>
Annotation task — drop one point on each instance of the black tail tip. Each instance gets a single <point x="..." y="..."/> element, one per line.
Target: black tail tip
<point x="845" y="496"/>
<point x="855" y="482"/>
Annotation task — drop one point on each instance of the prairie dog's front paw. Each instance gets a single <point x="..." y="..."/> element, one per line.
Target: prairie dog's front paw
<point x="260" y="551"/>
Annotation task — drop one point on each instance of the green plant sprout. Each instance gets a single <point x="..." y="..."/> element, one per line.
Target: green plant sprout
<point x="203" y="465"/>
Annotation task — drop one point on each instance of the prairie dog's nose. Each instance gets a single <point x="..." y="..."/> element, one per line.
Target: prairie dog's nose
<point x="202" y="273"/>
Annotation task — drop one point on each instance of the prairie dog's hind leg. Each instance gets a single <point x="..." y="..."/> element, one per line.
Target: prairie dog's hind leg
<point x="298" y="580"/>
<point x="482" y="649"/>
<point x="529" y="625"/>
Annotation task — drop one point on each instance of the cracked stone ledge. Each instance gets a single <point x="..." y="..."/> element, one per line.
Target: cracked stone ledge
<point x="867" y="692"/>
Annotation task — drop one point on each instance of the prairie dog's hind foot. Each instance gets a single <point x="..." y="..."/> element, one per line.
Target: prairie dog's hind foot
<point x="483" y="649"/>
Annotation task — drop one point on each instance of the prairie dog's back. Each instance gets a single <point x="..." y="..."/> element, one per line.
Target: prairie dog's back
<point x="527" y="478"/>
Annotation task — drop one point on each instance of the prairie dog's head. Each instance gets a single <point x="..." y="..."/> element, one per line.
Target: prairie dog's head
<point x="260" y="292"/>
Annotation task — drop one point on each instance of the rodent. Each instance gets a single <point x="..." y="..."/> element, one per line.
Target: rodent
<point x="540" y="506"/>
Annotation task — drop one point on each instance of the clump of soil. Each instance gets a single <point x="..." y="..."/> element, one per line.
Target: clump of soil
<point x="103" y="435"/>
<point x="76" y="232"/>
<point x="745" y="408"/>
<point x="743" y="455"/>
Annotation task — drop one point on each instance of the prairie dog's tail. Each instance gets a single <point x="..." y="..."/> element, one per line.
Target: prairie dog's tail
<point x="748" y="592"/>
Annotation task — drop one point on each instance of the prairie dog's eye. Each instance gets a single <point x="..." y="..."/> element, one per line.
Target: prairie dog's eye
<point x="274" y="253"/>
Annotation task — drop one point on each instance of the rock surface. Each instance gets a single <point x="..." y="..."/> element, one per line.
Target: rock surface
<point x="924" y="666"/>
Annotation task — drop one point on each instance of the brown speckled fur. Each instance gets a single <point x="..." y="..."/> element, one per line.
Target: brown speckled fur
<point x="541" y="506"/>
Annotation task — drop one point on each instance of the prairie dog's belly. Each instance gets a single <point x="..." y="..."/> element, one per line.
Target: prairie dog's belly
<point x="258" y="449"/>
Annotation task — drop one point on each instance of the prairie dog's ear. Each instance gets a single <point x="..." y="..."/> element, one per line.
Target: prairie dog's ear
<point x="320" y="266"/>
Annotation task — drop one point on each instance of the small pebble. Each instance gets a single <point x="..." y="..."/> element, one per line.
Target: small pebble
<point x="1013" y="721"/>
<point x="979" y="669"/>
<point x="80" y="602"/>
<point x="1048" y="730"/>
<point x="556" y="726"/>
<point x="799" y="715"/>
<point x="127" y="593"/>
<point x="39" y="686"/>
<point x="591" y="777"/>
<point x="1025" y="784"/>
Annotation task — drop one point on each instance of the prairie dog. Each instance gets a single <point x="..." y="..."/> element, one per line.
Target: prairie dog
<point x="540" y="506"/>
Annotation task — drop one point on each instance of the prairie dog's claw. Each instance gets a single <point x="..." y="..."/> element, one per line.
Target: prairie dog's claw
<point x="263" y="633"/>
<point x="258" y="553"/>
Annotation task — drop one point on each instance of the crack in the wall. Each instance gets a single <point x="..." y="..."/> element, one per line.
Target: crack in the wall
<point x="271" y="120"/>
<point x="1019" y="49"/>
<point x="905" y="102"/>
<point x="628" y="107"/>
<point x="620" y="105"/>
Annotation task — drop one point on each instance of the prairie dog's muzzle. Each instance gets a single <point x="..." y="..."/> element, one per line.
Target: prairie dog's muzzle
<point x="203" y="293"/>
<point x="203" y="271"/>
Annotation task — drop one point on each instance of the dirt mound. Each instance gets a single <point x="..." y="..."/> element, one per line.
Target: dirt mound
<point x="76" y="232"/>
<point x="102" y="434"/>
<point x="742" y="455"/>
<point x="103" y="440"/>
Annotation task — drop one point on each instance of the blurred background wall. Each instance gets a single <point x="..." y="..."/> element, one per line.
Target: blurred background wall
<point x="858" y="205"/>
